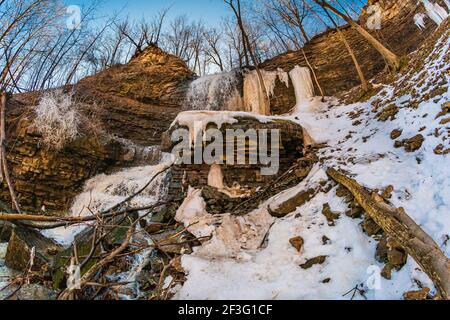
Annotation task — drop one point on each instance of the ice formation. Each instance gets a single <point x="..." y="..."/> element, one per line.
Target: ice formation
<point x="104" y="191"/>
<point x="253" y="93"/>
<point x="215" y="92"/>
<point x="198" y="121"/>
<point x="303" y="85"/>
<point x="221" y="270"/>
<point x="435" y="11"/>
<point x="419" y="20"/>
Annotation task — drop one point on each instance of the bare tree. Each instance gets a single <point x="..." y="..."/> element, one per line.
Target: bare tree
<point x="391" y="58"/>
<point x="235" y="5"/>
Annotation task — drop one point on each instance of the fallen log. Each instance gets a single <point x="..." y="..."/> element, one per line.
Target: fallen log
<point x="402" y="228"/>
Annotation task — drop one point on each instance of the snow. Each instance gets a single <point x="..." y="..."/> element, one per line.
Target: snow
<point x="5" y="273"/>
<point x="234" y="264"/>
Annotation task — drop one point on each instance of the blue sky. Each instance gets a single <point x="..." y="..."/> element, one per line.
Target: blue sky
<point x="210" y="11"/>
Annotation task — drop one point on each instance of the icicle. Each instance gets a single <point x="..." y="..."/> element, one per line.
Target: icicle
<point x="303" y="84"/>
<point x="435" y="12"/>
<point x="419" y="20"/>
<point x="253" y="91"/>
<point x="447" y="3"/>
<point x="215" y="177"/>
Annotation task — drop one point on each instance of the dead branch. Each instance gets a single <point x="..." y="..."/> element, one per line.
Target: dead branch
<point x="400" y="227"/>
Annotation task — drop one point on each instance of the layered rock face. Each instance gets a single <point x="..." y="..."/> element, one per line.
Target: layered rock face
<point x="136" y="102"/>
<point x="139" y="100"/>
<point x="236" y="181"/>
<point x="333" y="66"/>
<point x="48" y="180"/>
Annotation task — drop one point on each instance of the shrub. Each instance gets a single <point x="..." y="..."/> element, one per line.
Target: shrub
<point x="58" y="119"/>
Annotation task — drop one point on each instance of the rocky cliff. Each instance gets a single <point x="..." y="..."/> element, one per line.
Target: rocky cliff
<point x="332" y="63"/>
<point x="139" y="100"/>
<point x="133" y="105"/>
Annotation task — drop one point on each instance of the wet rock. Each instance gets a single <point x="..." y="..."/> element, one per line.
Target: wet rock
<point x="325" y="240"/>
<point x="414" y="143"/>
<point x="387" y="271"/>
<point x="396" y="255"/>
<point x="297" y="243"/>
<point x="5" y="231"/>
<point x="355" y="212"/>
<point x="292" y="204"/>
<point x="166" y="214"/>
<point x="382" y="250"/>
<point x="390" y="112"/>
<point x="422" y="294"/>
<point x="218" y="202"/>
<point x="34" y="292"/>
<point x="370" y="227"/>
<point x="154" y="228"/>
<point x="330" y="215"/>
<point x="439" y="150"/>
<point x="398" y="144"/>
<point x="20" y="245"/>
<point x="396" y="134"/>
<point x="314" y="261"/>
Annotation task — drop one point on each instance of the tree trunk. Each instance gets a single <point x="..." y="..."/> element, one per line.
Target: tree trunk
<point x="265" y="99"/>
<point x="391" y="58"/>
<point x="314" y="75"/>
<point x="400" y="227"/>
<point x="4" y="176"/>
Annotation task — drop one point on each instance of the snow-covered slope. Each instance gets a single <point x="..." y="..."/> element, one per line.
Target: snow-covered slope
<point x="361" y="144"/>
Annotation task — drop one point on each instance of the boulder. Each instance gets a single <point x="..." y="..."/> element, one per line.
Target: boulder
<point x="5" y="231"/>
<point x="297" y="243"/>
<point x="34" y="292"/>
<point x="314" y="261"/>
<point x="293" y="203"/>
<point x="20" y="245"/>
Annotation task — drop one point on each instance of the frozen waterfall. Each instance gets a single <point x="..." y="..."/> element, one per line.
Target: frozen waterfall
<point x="215" y="92"/>
<point x="435" y="11"/>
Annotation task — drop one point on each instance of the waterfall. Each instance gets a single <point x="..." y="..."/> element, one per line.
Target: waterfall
<point x="435" y="11"/>
<point x="303" y="84"/>
<point x="253" y="93"/>
<point x="222" y="92"/>
<point x="215" y="92"/>
<point x="104" y="191"/>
